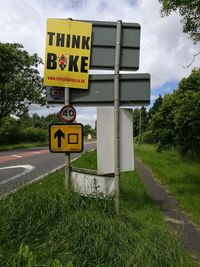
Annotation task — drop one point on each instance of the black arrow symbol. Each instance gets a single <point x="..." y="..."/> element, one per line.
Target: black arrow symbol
<point x="59" y="134"/>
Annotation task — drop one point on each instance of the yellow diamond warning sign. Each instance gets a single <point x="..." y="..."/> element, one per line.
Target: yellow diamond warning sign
<point x="67" y="56"/>
<point x="66" y="138"/>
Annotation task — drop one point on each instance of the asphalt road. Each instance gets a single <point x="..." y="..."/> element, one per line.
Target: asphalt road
<point x="24" y="166"/>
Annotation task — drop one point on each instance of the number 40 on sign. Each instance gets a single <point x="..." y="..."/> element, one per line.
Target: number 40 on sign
<point x="68" y="113"/>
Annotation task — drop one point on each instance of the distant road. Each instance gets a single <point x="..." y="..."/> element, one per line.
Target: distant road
<point x="22" y="166"/>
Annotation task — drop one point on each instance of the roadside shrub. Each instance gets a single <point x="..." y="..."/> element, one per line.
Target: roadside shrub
<point x="32" y="134"/>
<point x="9" y="131"/>
<point x="149" y="137"/>
<point x="12" y="133"/>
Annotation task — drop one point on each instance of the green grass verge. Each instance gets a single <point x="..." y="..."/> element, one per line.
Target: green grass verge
<point x="87" y="161"/>
<point x="22" y="145"/>
<point x="61" y="225"/>
<point x="181" y="176"/>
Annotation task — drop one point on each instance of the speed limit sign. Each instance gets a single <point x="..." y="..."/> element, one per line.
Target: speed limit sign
<point x="68" y="113"/>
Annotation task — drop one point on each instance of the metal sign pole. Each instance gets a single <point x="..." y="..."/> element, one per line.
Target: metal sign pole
<point x="67" y="155"/>
<point x="116" y="115"/>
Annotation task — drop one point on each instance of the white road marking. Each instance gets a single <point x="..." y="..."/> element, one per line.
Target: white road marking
<point x="27" y="168"/>
<point x="16" y="156"/>
<point x="30" y="167"/>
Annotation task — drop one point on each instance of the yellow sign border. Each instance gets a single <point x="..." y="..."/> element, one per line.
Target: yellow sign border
<point x="65" y="151"/>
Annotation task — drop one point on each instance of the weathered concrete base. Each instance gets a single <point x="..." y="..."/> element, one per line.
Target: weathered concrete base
<point x="88" y="183"/>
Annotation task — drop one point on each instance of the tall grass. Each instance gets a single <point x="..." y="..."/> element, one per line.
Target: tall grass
<point x="182" y="176"/>
<point x="87" y="161"/>
<point x="61" y="225"/>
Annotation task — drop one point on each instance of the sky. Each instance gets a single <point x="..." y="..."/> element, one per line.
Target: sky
<point x="164" y="50"/>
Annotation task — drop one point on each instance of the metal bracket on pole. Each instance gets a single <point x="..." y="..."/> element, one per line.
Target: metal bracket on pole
<point x="67" y="155"/>
<point x="116" y="115"/>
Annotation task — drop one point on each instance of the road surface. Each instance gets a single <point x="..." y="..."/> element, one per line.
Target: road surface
<point x="23" y="166"/>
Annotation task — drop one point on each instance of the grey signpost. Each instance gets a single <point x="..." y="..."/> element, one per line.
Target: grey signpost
<point x="116" y="115"/>
<point x="116" y="46"/>
<point x="67" y="155"/>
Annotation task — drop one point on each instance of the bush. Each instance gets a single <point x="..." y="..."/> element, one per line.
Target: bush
<point x="32" y="134"/>
<point x="12" y="133"/>
<point x="148" y="137"/>
<point x="9" y="131"/>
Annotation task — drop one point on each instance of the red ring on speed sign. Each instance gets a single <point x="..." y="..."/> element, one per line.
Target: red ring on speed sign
<point x="68" y="113"/>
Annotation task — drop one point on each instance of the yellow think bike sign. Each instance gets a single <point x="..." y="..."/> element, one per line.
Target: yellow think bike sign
<point x="67" y="56"/>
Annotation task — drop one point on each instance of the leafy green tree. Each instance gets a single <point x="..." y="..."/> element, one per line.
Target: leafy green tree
<point x="52" y="118"/>
<point x="162" y="123"/>
<point x="25" y="120"/>
<point x="144" y="119"/>
<point x="156" y="106"/>
<point x="89" y="130"/>
<point x="37" y="121"/>
<point x="187" y="124"/>
<point x="190" y="13"/>
<point x="9" y="131"/>
<point x="177" y="123"/>
<point x="187" y="115"/>
<point x="136" y="120"/>
<point x="191" y="83"/>
<point x="20" y="81"/>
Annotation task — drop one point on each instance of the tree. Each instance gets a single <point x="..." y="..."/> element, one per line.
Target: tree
<point x="52" y="118"/>
<point x="156" y="106"/>
<point x="177" y="123"/>
<point x="191" y="83"/>
<point x="89" y="130"/>
<point x="187" y="124"/>
<point x="187" y="115"/>
<point x="190" y="13"/>
<point x="136" y="120"/>
<point x="162" y="123"/>
<point x="20" y="82"/>
<point x="9" y="131"/>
